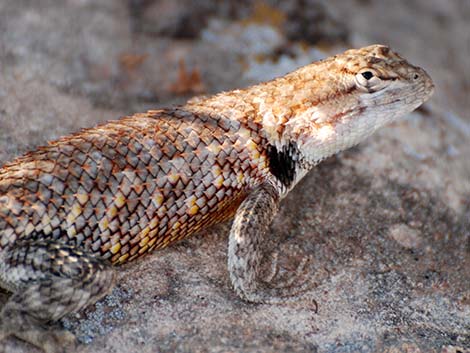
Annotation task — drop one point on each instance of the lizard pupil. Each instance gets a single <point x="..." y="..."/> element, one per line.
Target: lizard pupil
<point x="367" y="75"/>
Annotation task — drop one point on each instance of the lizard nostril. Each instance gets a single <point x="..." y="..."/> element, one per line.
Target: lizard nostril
<point x="416" y="76"/>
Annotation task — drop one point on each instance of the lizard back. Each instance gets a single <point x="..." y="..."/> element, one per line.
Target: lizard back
<point x="132" y="185"/>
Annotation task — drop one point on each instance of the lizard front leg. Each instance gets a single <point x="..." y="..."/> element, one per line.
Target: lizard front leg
<point x="246" y="243"/>
<point x="48" y="279"/>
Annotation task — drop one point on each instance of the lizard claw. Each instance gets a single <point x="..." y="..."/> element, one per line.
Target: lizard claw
<point x="288" y="281"/>
<point x="282" y="285"/>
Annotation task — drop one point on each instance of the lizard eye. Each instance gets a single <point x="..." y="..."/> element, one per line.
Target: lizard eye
<point x="367" y="75"/>
<point x="367" y="80"/>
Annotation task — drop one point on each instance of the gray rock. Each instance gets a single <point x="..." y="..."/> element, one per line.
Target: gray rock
<point x="387" y="223"/>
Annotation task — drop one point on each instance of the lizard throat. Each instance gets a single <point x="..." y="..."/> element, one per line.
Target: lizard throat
<point x="286" y="164"/>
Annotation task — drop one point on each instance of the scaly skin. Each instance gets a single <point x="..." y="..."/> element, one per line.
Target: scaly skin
<point x="109" y="194"/>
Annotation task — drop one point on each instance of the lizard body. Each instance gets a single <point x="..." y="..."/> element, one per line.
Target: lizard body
<point x="109" y="194"/>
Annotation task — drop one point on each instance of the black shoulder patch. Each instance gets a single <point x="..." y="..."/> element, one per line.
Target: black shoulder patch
<point x="283" y="162"/>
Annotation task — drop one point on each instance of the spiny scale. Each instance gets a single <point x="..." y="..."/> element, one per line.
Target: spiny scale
<point x="133" y="185"/>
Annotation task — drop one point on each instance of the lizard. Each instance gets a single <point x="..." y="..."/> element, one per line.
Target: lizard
<point x="107" y="195"/>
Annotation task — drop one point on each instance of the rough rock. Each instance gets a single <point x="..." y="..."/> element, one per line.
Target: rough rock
<point x="387" y="223"/>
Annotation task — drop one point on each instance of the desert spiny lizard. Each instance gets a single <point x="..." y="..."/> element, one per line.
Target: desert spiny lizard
<point x="110" y="194"/>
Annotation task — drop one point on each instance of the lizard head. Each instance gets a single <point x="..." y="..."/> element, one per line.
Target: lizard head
<point x="340" y="101"/>
<point x="378" y="77"/>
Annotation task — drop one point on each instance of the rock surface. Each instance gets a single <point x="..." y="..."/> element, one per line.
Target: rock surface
<point x="387" y="223"/>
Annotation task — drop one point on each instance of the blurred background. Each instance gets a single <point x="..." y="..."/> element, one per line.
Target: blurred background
<point x="388" y="222"/>
<point x="132" y="55"/>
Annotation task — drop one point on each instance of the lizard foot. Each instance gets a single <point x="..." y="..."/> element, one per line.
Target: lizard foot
<point x="281" y="285"/>
<point x="284" y="286"/>
<point x="49" y="280"/>
<point x="280" y="277"/>
<point x="51" y="338"/>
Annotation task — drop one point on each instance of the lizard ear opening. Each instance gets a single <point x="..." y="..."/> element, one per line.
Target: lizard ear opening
<point x="367" y="80"/>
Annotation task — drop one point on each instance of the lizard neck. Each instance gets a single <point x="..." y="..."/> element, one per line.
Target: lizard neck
<point x="287" y="164"/>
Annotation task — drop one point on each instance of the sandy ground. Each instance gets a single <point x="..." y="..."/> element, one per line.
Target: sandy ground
<point x="387" y="223"/>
